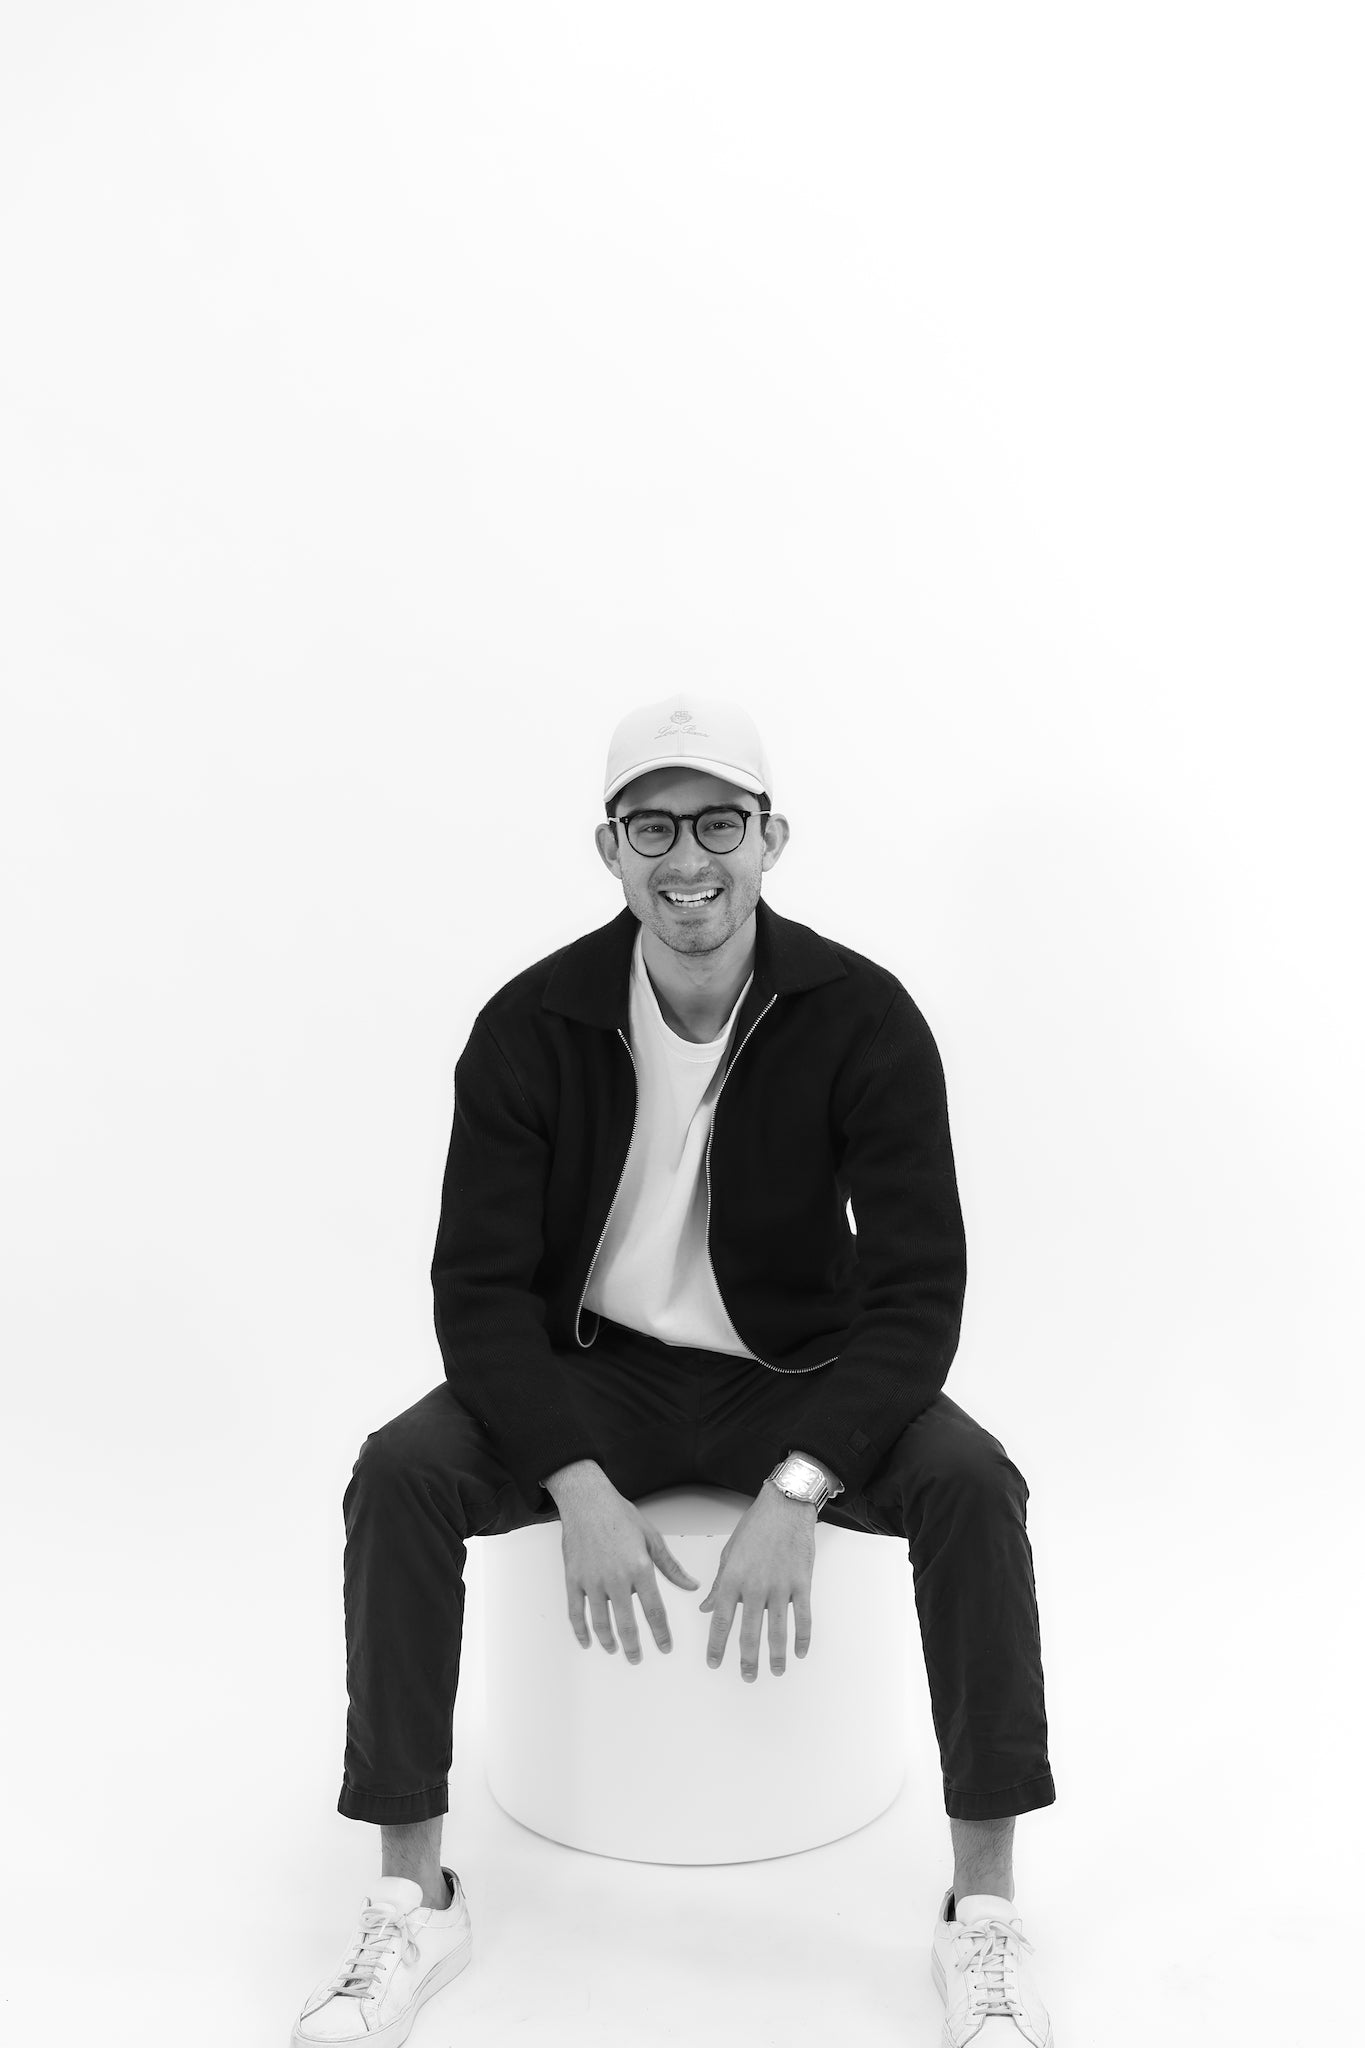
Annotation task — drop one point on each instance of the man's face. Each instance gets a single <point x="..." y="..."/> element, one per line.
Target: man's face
<point x="653" y="886"/>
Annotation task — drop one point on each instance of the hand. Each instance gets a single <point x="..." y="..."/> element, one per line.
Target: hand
<point x="766" y="1564"/>
<point x="610" y="1554"/>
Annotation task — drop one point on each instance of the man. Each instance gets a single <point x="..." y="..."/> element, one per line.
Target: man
<point x="636" y="1287"/>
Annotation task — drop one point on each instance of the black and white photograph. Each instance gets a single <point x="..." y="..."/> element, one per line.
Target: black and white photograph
<point x="683" y="1117"/>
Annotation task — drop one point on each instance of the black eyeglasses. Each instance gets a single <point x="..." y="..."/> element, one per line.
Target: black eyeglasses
<point x="718" y="829"/>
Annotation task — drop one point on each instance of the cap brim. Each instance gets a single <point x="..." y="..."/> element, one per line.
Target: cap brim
<point x="724" y="769"/>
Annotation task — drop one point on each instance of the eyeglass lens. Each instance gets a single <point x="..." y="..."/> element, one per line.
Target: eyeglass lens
<point x="719" y="831"/>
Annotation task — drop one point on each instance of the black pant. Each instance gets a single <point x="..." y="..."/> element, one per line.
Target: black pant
<point x="667" y="1416"/>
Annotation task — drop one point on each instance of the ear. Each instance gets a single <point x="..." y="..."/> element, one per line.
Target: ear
<point x="605" y="837"/>
<point x="776" y="833"/>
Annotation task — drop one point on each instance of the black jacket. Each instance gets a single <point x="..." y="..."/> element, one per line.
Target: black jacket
<point x="833" y="1091"/>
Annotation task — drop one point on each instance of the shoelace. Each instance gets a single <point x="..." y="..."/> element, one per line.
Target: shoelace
<point x="988" y="1950"/>
<point x="379" y="1928"/>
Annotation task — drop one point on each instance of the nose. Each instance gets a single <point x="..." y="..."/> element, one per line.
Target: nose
<point x="688" y="860"/>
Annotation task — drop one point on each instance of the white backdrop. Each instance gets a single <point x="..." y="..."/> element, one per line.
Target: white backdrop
<point x="393" y="395"/>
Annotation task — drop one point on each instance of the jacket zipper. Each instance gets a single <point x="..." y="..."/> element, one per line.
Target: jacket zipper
<point x="587" y="1278"/>
<point x="794" y="1370"/>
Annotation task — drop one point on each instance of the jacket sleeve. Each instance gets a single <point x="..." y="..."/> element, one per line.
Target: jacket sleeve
<point x="490" y="1322"/>
<point x="912" y="1254"/>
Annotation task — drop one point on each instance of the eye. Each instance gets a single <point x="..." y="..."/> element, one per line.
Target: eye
<point x="723" y="827"/>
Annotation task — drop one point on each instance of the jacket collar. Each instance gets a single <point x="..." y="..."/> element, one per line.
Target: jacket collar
<point x="591" y="978"/>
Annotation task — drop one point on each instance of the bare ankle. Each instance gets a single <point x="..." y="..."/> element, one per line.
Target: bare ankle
<point x="983" y="1858"/>
<point x="414" y="1851"/>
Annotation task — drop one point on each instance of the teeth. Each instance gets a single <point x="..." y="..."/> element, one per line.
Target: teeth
<point x="701" y="896"/>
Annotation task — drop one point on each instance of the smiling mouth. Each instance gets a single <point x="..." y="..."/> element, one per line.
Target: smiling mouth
<point x="689" y="899"/>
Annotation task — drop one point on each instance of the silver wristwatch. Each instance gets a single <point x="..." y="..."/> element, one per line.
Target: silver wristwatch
<point x="801" y="1479"/>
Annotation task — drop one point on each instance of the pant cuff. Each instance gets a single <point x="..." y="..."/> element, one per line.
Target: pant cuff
<point x="393" y="1809"/>
<point x="1020" y="1798"/>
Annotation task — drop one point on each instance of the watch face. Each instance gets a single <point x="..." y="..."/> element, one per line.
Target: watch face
<point x="801" y="1475"/>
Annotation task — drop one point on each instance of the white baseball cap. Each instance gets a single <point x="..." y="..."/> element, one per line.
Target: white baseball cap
<point x="688" y="732"/>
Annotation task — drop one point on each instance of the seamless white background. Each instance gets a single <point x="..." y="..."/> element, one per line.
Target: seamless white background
<point x="389" y="398"/>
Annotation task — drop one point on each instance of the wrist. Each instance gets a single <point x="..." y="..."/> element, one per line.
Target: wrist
<point x="582" y="1476"/>
<point x="773" y="1491"/>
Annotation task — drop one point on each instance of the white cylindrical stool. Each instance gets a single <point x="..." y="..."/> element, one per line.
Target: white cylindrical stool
<point x="669" y="1761"/>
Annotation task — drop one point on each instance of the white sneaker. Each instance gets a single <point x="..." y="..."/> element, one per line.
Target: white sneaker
<point x="982" y="1978"/>
<point x="401" y="1954"/>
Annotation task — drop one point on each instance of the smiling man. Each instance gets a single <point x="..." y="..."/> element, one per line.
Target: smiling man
<point x="637" y="1286"/>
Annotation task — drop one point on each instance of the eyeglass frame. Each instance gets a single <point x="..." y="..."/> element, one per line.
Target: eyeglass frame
<point x="681" y="818"/>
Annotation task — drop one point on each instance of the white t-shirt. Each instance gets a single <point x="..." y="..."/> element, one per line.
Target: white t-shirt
<point x="652" y="1271"/>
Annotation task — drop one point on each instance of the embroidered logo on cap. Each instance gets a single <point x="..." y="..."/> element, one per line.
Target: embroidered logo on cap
<point x="680" y="722"/>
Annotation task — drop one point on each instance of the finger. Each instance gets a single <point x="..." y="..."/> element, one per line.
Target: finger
<point x="654" y="1613"/>
<point x="623" y="1607"/>
<point x="777" y="1637"/>
<point x="601" y="1620"/>
<point x="669" y="1566"/>
<point x="750" y="1630"/>
<point x="576" y="1621"/>
<point x="801" y="1602"/>
<point x="710" y="1599"/>
<point x="721" y="1619"/>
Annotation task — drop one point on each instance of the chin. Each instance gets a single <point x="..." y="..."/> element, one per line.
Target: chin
<point x="698" y="942"/>
<point x="677" y="938"/>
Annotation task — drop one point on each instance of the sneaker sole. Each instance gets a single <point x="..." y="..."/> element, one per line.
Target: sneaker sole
<point x="401" y="2025"/>
<point x="941" y="1983"/>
